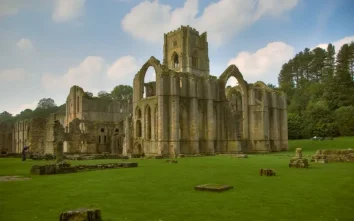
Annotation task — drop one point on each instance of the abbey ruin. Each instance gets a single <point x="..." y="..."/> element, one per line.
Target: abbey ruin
<point x="184" y="111"/>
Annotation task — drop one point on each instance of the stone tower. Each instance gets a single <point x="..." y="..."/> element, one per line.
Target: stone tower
<point x="74" y="105"/>
<point x="186" y="51"/>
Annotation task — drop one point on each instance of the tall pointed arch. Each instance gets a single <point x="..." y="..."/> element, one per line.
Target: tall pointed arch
<point x="233" y="71"/>
<point x="138" y="89"/>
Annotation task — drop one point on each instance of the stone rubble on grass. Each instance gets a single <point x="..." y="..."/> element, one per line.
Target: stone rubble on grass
<point x="298" y="161"/>
<point x="344" y="155"/>
<point x="81" y="215"/>
<point x="241" y="156"/>
<point x="266" y="172"/>
<point x="213" y="187"/>
<point x="64" y="167"/>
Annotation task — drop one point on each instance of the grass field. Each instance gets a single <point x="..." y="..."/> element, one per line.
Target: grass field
<point x="159" y="191"/>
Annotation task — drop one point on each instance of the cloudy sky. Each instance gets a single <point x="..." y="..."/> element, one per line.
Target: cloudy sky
<point x="46" y="46"/>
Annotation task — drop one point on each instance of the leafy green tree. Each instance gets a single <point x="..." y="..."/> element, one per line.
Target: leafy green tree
<point x="295" y="126"/>
<point x="122" y="92"/>
<point x="104" y="95"/>
<point x="88" y="94"/>
<point x="46" y="103"/>
<point x="26" y="114"/>
<point x="344" y="117"/>
<point x="5" y="117"/>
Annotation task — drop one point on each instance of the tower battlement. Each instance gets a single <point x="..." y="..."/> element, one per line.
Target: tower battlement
<point x="185" y="50"/>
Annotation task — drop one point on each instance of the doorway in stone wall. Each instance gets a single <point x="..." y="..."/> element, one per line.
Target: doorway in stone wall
<point x="137" y="149"/>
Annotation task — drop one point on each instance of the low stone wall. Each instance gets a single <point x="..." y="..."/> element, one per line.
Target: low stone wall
<point x="94" y="157"/>
<point x="105" y="166"/>
<point x="53" y="169"/>
<point x="333" y="156"/>
<point x="81" y="215"/>
<point x="19" y="155"/>
<point x="64" y="167"/>
<point x="42" y="157"/>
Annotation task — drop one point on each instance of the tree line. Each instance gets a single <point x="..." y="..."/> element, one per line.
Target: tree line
<point x="319" y="84"/>
<point x="47" y="106"/>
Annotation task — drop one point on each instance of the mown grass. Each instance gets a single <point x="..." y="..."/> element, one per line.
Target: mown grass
<point x="159" y="191"/>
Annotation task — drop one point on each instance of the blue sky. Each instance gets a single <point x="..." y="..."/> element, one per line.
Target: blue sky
<point x="46" y="46"/>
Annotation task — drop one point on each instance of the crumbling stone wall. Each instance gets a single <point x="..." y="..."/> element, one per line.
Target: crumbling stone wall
<point x="6" y="142"/>
<point x="83" y="136"/>
<point x="20" y="135"/>
<point x="192" y="113"/>
<point x="93" y="109"/>
<point x="37" y="134"/>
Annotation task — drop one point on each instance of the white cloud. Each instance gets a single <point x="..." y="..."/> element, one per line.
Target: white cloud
<point x="123" y="67"/>
<point x="222" y="20"/>
<point x="25" y="44"/>
<point x="265" y="63"/>
<point x="23" y="107"/>
<point x="66" y="10"/>
<point x="93" y="73"/>
<point x="13" y="7"/>
<point x="86" y="75"/>
<point x="338" y="44"/>
<point x="16" y="74"/>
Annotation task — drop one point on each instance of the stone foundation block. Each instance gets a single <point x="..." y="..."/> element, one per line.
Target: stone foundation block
<point x="241" y="156"/>
<point x="81" y="215"/>
<point x="298" y="163"/>
<point x="266" y="172"/>
<point x="213" y="187"/>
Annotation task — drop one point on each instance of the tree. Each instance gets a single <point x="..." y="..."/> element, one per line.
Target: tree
<point x="104" y="95"/>
<point x="122" y="92"/>
<point x="26" y="114"/>
<point x="271" y="86"/>
<point x="88" y="94"/>
<point x="5" y="116"/>
<point x="46" y="103"/>
<point x="295" y="126"/>
<point x="345" y="120"/>
<point x="319" y="83"/>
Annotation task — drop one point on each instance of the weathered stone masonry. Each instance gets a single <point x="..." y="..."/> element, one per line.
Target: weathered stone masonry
<point x="188" y="111"/>
<point x="184" y="111"/>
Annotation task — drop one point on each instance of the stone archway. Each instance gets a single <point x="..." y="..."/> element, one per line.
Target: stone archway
<point x="137" y="149"/>
<point x="138" y="88"/>
<point x="233" y="71"/>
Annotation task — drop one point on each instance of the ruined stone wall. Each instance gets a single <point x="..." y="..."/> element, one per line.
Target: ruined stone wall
<point x="49" y="134"/>
<point x="94" y="109"/>
<point x="20" y="135"/>
<point x="85" y="136"/>
<point x="37" y="135"/>
<point x="101" y="110"/>
<point x="195" y="115"/>
<point x="268" y="119"/>
<point x="6" y="142"/>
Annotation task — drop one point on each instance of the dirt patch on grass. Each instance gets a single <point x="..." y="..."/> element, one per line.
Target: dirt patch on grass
<point x="12" y="178"/>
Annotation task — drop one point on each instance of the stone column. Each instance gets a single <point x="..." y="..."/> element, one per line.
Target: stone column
<point x="174" y="116"/>
<point x="283" y="123"/>
<point x="265" y="120"/>
<point x="127" y="139"/>
<point x="210" y="117"/>
<point x="162" y="114"/>
<point x="275" y="124"/>
<point x="193" y="116"/>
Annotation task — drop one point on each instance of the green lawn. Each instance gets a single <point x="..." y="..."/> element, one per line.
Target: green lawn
<point x="159" y="191"/>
